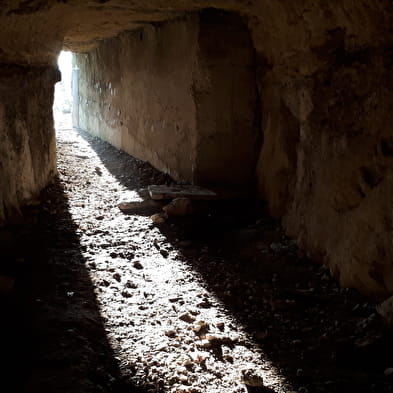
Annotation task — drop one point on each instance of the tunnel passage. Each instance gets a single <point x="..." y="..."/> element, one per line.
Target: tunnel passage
<point x="181" y="95"/>
<point x="324" y="168"/>
<point x="325" y="80"/>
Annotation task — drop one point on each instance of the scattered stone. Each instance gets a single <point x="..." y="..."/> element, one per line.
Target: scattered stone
<point x="198" y="357"/>
<point x="137" y="265"/>
<point x="156" y="244"/>
<point x="126" y="294"/>
<point x="131" y="285"/>
<point x="216" y="340"/>
<point x="201" y="328"/>
<point x="206" y="344"/>
<point x="98" y="171"/>
<point x="368" y="341"/>
<point x="159" y="218"/>
<point x="251" y="378"/>
<point x="174" y="299"/>
<point x="179" y="207"/>
<point x="276" y="247"/>
<point x="205" y="304"/>
<point x="187" y="318"/>
<point x="135" y="327"/>
<point x="220" y="326"/>
<point x="117" y="277"/>
<point x="170" y="333"/>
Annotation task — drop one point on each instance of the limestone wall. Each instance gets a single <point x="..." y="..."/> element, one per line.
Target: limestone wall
<point x="27" y="138"/>
<point x="226" y="99"/>
<point x="326" y="165"/>
<point x="323" y="72"/>
<point x="135" y="92"/>
<point x="171" y="95"/>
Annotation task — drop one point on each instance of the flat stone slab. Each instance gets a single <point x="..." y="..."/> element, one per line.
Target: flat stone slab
<point x="158" y="192"/>
<point x="135" y="201"/>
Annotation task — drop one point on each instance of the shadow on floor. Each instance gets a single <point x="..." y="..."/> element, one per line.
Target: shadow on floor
<point x="52" y="336"/>
<point x="321" y="338"/>
<point x="131" y="173"/>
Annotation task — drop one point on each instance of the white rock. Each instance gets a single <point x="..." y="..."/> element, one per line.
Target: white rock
<point x="131" y="200"/>
<point x="198" y="357"/>
<point x="158" y="218"/>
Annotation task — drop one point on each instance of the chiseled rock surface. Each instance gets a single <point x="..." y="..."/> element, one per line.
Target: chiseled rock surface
<point x="27" y="138"/>
<point x="327" y="159"/>
<point x="324" y="78"/>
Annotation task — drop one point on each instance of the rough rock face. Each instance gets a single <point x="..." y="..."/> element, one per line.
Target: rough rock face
<point x="341" y="202"/>
<point x="27" y="142"/>
<point x="324" y="78"/>
<point x="134" y="92"/>
<point x="171" y="95"/>
<point x="326" y="162"/>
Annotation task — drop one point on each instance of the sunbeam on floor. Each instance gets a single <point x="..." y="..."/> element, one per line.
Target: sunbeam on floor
<point x="168" y="330"/>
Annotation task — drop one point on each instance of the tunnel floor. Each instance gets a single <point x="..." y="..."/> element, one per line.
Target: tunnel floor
<point x="220" y="301"/>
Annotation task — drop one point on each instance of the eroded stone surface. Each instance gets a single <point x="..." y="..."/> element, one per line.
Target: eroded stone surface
<point x="175" y="97"/>
<point x="323" y="75"/>
<point x="27" y="138"/>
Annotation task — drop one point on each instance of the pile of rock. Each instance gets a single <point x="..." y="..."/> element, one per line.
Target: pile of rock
<point x="180" y="196"/>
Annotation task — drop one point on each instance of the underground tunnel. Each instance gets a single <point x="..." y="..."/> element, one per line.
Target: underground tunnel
<point x="210" y="211"/>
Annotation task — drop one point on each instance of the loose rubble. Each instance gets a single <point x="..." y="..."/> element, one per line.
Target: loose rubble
<point x="216" y="302"/>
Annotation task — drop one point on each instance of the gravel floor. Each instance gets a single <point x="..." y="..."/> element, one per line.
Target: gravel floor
<point x="219" y="301"/>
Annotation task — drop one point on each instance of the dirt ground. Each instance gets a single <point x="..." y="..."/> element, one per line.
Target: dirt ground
<point x="219" y="301"/>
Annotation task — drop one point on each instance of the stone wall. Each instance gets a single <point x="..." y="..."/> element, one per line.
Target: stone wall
<point x="27" y="138"/>
<point x="323" y="71"/>
<point x="135" y="92"/>
<point x="326" y="165"/>
<point x="226" y="99"/>
<point x="170" y="95"/>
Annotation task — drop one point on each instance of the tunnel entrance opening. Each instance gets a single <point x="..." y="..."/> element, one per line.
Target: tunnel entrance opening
<point x="62" y="105"/>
